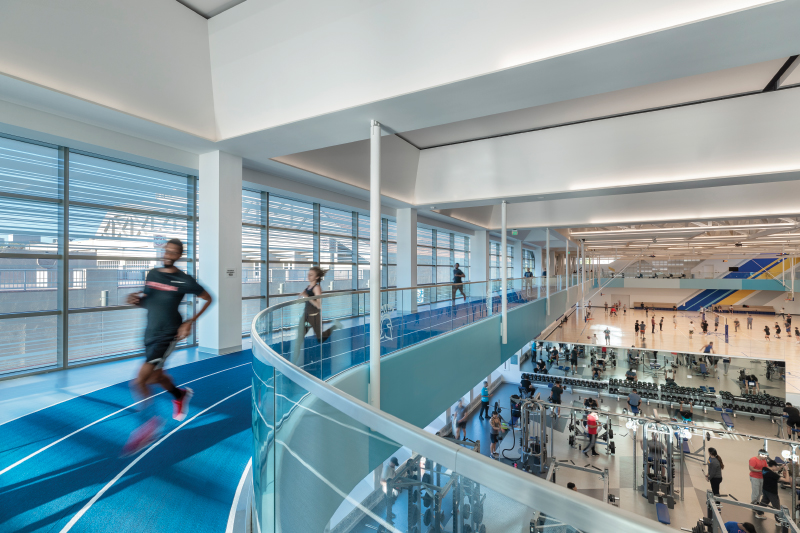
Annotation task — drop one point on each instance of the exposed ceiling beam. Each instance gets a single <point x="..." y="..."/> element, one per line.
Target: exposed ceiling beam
<point x="781" y="75"/>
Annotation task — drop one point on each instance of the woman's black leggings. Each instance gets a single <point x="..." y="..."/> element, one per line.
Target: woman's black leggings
<point x="715" y="481"/>
<point x="315" y="321"/>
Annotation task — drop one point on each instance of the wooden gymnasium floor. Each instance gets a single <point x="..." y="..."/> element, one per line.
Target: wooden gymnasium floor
<point x="744" y="343"/>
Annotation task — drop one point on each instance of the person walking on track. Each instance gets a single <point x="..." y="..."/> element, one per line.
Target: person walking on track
<point x="164" y="289"/>
<point x="458" y="283"/>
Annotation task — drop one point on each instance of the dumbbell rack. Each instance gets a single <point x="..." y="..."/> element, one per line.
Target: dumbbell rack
<point x="753" y="404"/>
<point x="572" y="383"/>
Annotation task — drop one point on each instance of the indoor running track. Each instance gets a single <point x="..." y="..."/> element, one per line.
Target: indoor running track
<point x="61" y="470"/>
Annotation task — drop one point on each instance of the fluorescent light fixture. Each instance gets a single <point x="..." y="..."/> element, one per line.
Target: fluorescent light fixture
<point x="687" y="229"/>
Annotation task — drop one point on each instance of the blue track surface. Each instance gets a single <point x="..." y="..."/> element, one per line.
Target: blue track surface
<point x="186" y="483"/>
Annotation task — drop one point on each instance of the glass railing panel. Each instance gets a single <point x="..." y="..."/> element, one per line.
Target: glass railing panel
<point x="318" y="469"/>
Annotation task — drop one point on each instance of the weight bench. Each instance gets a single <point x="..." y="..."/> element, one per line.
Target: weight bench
<point x="726" y="419"/>
<point x="662" y="513"/>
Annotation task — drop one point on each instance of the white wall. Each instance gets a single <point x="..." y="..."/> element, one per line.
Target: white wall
<point x="148" y="58"/>
<point x="279" y="62"/>
<point x="735" y="137"/>
<point x="674" y="296"/>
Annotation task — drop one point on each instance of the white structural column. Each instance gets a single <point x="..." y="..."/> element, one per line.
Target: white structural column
<point x="567" y="270"/>
<point x="504" y="270"/>
<point x="407" y="257"/>
<point x="582" y="278"/>
<point x="547" y="267"/>
<point x="375" y="265"/>
<point x="220" y="328"/>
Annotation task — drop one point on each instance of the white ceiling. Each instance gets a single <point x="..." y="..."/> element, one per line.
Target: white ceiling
<point x="210" y="8"/>
<point x="748" y="78"/>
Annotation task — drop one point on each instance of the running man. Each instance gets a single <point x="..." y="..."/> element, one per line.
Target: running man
<point x="607" y="333"/>
<point x="458" y="283"/>
<point x="163" y="292"/>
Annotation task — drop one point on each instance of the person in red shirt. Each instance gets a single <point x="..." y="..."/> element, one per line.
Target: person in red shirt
<point x="592" y="424"/>
<point x="757" y="463"/>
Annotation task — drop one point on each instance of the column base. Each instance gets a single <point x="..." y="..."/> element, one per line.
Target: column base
<point x="220" y="351"/>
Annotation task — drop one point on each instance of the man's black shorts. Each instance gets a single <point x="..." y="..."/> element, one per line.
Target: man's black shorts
<point x="158" y="348"/>
<point x="461" y="425"/>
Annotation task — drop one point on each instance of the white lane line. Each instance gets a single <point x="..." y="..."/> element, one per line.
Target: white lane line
<point x="239" y="488"/>
<point x="100" y="388"/>
<point x="102" y="491"/>
<point x="347" y="497"/>
<point x="62" y="439"/>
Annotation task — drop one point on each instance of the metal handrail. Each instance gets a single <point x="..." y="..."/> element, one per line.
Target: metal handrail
<point x="577" y="510"/>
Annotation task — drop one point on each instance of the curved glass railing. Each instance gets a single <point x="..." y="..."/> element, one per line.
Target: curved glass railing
<point x="320" y="452"/>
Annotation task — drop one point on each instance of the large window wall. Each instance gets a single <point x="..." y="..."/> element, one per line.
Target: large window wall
<point x="78" y="232"/>
<point x="495" y="260"/>
<point x="437" y="253"/>
<point x="528" y="261"/>
<point x="282" y="238"/>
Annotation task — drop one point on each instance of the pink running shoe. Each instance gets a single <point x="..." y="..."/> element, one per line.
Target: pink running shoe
<point x="181" y="407"/>
<point x="142" y="437"/>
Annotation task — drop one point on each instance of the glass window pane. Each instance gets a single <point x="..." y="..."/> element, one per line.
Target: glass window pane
<point x="338" y="278"/>
<point x="108" y="183"/>
<point x="424" y="275"/>
<point x="28" y="343"/>
<point x="28" y="169"/>
<point x="250" y="308"/>
<point x="443" y="239"/>
<point x="290" y="214"/>
<point x="424" y="255"/>
<point x="28" y="226"/>
<point x="335" y="249"/>
<point x="444" y="275"/>
<point x="392" y="230"/>
<point x="107" y="333"/>
<point x="251" y="279"/>
<point x="28" y="285"/>
<point x="287" y="279"/>
<point x="363" y="251"/>
<point x="291" y="247"/>
<point x="335" y="221"/>
<point x="391" y="248"/>
<point x="116" y="233"/>
<point x="251" y="207"/>
<point x="443" y="257"/>
<point x="251" y="242"/>
<point x="462" y="258"/>
<point x="424" y="237"/>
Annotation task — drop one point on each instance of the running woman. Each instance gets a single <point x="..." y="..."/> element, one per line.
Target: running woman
<point x="164" y="289"/>
<point x="312" y="317"/>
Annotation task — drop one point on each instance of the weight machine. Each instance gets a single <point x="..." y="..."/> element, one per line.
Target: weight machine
<point x="714" y="523"/>
<point x="555" y="465"/>
<point x="658" y="464"/>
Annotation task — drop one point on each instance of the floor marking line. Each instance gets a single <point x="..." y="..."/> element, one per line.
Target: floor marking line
<point x="108" y="485"/>
<point x="237" y="495"/>
<point x="101" y="388"/>
<point x="62" y="439"/>
<point x="336" y="489"/>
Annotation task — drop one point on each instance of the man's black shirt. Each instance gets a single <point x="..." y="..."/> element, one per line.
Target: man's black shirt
<point x="458" y="275"/>
<point x="770" y="481"/>
<point x="163" y="293"/>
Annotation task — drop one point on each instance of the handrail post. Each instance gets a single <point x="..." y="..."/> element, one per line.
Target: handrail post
<point x="375" y="265"/>
<point x="547" y="268"/>
<point x="504" y="271"/>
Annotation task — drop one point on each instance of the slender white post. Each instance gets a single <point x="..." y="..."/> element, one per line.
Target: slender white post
<point x="566" y="265"/>
<point x="375" y="265"/>
<point x="792" y="267"/>
<point x="547" y="267"/>
<point x="582" y="279"/>
<point x="504" y="270"/>
<point x="783" y="270"/>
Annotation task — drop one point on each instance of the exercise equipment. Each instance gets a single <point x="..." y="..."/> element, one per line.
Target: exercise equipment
<point x="658" y="465"/>
<point x="555" y="465"/>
